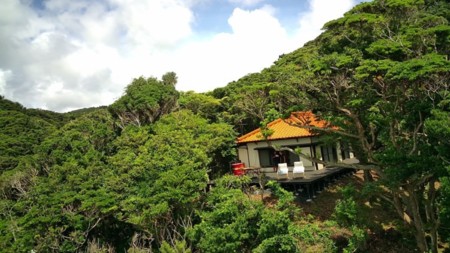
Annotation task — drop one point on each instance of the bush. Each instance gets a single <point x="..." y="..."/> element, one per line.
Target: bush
<point x="346" y="212"/>
<point x="357" y="240"/>
<point x="279" y="243"/>
<point x="312" y="237"/>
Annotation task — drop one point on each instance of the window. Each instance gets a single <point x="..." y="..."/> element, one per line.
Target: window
<point x="345" y="151"/>
<point x="266" y="157"/>
<point x="291" y="157"/>
<point x="329" y="153"/>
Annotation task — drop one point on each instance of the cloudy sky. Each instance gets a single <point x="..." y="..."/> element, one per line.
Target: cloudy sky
<point x="62" y="55"/>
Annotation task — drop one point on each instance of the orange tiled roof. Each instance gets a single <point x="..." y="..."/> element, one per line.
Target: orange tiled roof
<point x="288" y="128"/>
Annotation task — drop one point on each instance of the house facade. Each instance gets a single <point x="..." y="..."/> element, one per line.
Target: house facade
<point x="294" y="132"/>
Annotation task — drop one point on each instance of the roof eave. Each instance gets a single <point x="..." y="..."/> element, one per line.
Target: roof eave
<point x="276" y="139"/>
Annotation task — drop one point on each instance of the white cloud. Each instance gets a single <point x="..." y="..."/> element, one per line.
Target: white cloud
<point x="319" y="13"/>
<point x="246" y="2"/>
<point x="256" y="40"/>
<point x="73" y="54"/>
<point x="4" y="76"/>
<point x="162" y="23"/>
<point x="83" y="53"/>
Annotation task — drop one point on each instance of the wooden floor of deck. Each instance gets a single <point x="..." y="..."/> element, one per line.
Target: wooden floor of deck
<point x="312" y="183"/>
<point x="309" y="176"/>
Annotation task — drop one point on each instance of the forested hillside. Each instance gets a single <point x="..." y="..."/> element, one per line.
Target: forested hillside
<point x="133" y="176"/>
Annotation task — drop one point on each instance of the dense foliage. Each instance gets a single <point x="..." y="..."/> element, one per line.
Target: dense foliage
<point x="91" y="182"/>
<point x="381" y="73"/>
<point x="133" y="176"/>
<point x="146" y="100"/>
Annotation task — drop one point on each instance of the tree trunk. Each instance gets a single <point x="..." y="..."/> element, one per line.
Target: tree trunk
<point x="431" y="212"/>
<point x="400" y="210"/>
<point x="368" y="176"/>
<point x="417" y="220"/>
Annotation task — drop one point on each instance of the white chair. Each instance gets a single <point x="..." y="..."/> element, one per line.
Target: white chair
<point x="283" y="170"/>
<point x="298" y="169"/>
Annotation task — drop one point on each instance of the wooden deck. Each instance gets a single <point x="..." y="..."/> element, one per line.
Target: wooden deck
<point x="312" y="183"/>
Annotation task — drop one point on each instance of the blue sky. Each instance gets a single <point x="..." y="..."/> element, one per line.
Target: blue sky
<point x="212" y="16"/>
<point x="63" y="54"/>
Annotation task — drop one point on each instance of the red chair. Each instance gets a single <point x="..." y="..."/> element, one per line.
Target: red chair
<point x="238" y="169"/>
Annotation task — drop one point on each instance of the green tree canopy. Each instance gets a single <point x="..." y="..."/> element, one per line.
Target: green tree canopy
<point x="380" y="73"/>
<point x="145" y="100"/>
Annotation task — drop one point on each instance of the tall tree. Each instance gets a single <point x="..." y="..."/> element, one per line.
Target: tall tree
<point x="380" y="73"/>
<point x="69" y="200"/>
<point x="163" y="168"/>
<point x="145" y="100"/>
<point x="170" y="78"/>
<point x="202" y="104"/>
